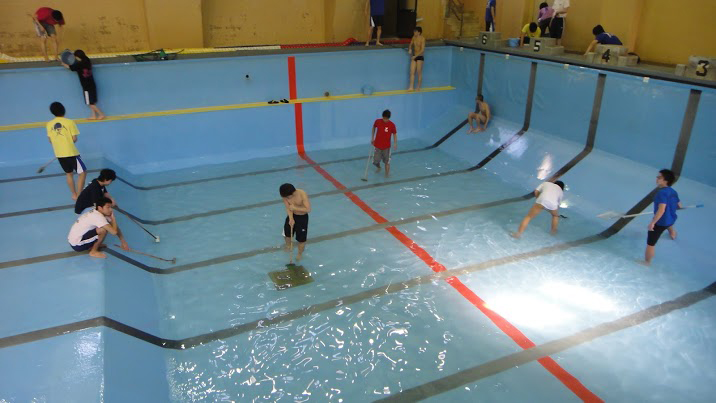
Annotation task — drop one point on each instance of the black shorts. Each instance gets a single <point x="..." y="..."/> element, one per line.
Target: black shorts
<point x="376" y="20"/>
<point x="90" y="95"/>
<point x="300" y="227"/>
<point x="87" y="246"/>
<point x="556" y="28"/>
<point x="72" y="164"/>
<point x="653" y="236"/>
<point x="419" y="59"/>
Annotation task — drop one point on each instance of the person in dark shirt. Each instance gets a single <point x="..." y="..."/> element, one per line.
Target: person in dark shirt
<point x="83" y="67"/>
<point x="490" y="14"/>
<point x="666" y="202"/>
<point x="376" y="10"/>
<point x="96" y="190"/>
<point x="602" y="38"/>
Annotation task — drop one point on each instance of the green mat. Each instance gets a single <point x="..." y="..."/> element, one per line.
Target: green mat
<point x="292" y="276"/>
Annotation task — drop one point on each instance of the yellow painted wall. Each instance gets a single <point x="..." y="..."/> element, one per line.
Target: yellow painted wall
<point x="95" y="26"/>
<point x="346" y="19"/>
<point x="264" y="22"/>
<point x="174" y="23"/>
<point x="670" y="30"/>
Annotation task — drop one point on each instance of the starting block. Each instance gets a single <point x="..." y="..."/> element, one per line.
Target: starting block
<point x="292" y="276"/>
<point x="702" y="67"/>
<point x="544" y="46"/>
<point x="491" y="40"/>
<point x="609" y="54"/>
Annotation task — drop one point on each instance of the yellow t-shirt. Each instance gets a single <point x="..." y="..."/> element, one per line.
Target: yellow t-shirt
<point x="536" y="34"/>
<point x="60" y="131"/>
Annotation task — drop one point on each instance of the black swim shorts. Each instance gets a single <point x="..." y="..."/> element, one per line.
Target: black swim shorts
<point x="300" y="227"/>
<point x="653" y="236"/>
<point x="419" y="58"/>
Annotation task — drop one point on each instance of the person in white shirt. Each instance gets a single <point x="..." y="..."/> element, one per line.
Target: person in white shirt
<point x="90" y="229"/>
<point x="556" y="27"/>
<point x="549" y="196"/>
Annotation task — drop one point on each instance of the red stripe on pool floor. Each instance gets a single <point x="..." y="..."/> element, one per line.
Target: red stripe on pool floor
<point x="505" y="326"/>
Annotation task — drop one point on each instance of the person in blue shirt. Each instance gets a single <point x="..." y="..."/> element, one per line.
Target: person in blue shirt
<point x="666" y="202"/>
<point x="375" y="9"/>
<point x="602" y="38"/>
<point x="490" y="14"/>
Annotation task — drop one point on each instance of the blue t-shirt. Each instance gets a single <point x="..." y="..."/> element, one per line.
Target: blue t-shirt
<point x="490" y="4"/>
<point x="669" y="197"/>
<point x="377" y="7"/>
<point x="608" y="39"/>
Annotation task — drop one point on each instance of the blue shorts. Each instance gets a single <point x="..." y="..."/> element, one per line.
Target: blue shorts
<point x="91" y="234"/>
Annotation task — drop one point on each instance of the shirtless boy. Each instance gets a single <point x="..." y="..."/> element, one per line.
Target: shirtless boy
<point x="416" y="50"/>
<point x="297" y="208"/>
<point x="481" y="116"/>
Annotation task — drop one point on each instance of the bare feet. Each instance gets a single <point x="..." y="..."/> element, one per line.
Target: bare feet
<point x="643" y="263"/>
<point x="298" y="257"/>
<point x="410" y="89"/>
<point x="386" y="175"/>
<point x="74" y="196"/>
<point x="92" y="118"/>
<point x="100" y="255"/>
<point x="377" y="170"/>
<point x="516" y="235"/>
<point x="553" y="232"/>
<point x="379" y="44"/>
<point x="367" y="43"/>
<point x="470" y="131"/>
<point x="672" y="234"/>
<point x="101" y="117"/>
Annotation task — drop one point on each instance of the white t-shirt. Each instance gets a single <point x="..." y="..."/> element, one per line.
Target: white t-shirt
<point x="550" y="195"/>
<point x="559" y="5"/>
<point x="86" y="222"/>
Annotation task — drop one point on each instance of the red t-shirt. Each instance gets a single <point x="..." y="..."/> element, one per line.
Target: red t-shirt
<point x="382" y="135"/>
<point x="44" y="14"/>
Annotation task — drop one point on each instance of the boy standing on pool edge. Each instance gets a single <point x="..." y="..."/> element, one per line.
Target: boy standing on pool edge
<point x="380" y="139"/>
<point x="297" y="208"/>
<point x="416" y="51"/>
<point x="666" y="202"/>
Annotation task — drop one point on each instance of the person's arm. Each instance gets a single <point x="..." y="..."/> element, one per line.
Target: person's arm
<point x="289" y="212"/>
<point x="410" y="47"/>
<point x="591" y="46"/>
<point x="107" y="195"/>
<point x="522" y="39"/>
<point x="679" y="204"/>
<point x="657" y="216"/>
<point x="372" y="135"/>
<point x="395" y="140"/>
<point x="74" y="138"/>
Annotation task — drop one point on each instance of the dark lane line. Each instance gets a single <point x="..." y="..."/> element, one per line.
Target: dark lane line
<point x="239" y="175"/>
<point x="227" y="210"/>
<point x="482" y="371"/>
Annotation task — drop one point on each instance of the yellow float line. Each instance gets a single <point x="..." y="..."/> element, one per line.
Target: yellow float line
<point x="23" y="126"/>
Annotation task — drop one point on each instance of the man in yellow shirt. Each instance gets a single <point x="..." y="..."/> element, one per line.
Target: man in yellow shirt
<point x="62" y="134"/>
<point x="530" y="30"/>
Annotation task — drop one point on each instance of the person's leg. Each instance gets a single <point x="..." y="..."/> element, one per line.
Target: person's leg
<point x="301" y="248"/>
<point x="534" y="210"/>
<point x="376" y="159"/>
<point x="672" y="232"/>
<point x="95" y="252"/>
<point x="81" y="182"/>
<point x="386" y="160"/>
<point x="470" y="120"/>
<point x="96" y="112"/>
<point x="481" y="120"/>
<point x="555" y="222"/>
<point x="420" y="74"/>
<point x="412" y="74"/>
<point x="377" y="36"/>
<point x="71" y="184"/>
<point x="56" y="46"/>
<point x="649" y="254"/>
<point x="43" y="44"/>
<point x="287" y="235"/>
<point x="370" y="34"/>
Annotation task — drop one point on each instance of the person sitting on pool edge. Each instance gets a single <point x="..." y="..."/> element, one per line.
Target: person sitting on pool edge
<point x="96" y="190"/>
<point x="666" y="202"/>
<point x="416" y="51"/>
<point x="297" y="208"/>
<point x="90" y="229"/>
<point x="549" y="196"/>
<point x="602" y="38"/>
<point x="481" y="116"/>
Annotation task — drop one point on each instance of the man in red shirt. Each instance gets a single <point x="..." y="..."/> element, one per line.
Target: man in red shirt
<point x="380" y="139"/>
<point x="45" y="20"/>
